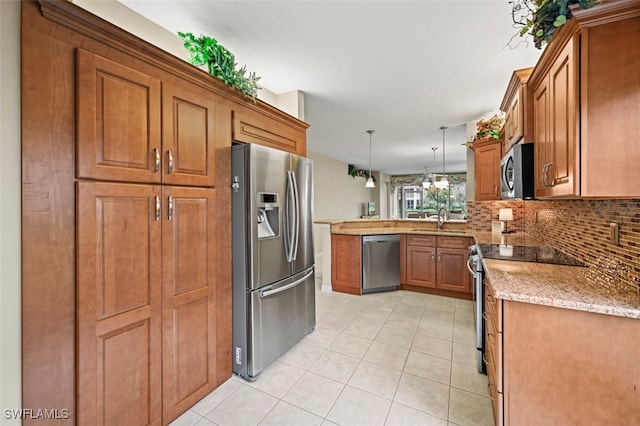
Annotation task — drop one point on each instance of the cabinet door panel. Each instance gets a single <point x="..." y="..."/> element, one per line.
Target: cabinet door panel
<point x="542" y="147"/>
<point x="421" y="267"/>
<point x="556" y="126"/>
<point x="118" y="304"/>
<point x="346" y="263"/>
<point x="188" y="137"/>
<point x="251" y="127"/>
<point x="118" y="124"/>
<point x="189" y="295"/>
<point x="513" y="125"/>
<point x="452" y="270"/>
<point x="562" y="124"/>
<point x="487" y="155"/>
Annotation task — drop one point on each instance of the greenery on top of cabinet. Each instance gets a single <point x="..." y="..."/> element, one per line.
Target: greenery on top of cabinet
<point x="540" y="18"/>
<point x="221" y="63"/>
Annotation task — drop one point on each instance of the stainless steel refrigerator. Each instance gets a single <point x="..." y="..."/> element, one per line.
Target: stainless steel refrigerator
<point x="273" y="261"/>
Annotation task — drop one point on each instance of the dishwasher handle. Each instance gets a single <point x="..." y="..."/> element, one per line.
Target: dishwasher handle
<point x="368" y="239"/>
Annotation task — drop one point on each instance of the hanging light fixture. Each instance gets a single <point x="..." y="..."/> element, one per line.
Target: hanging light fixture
<point x="443" y="182"/>
<point x="370" y="183"/>
<point x="429" y="179"/>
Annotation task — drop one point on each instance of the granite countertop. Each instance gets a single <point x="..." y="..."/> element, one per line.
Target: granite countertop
<point x="570" y="287"/>
<point x="457" y="228"/>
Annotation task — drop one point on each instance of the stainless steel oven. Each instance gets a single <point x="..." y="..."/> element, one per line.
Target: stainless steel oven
<point x="474" y="264"/>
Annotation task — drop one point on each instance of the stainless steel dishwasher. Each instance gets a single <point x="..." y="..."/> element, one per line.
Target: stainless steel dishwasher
<point x="380" y="263"/>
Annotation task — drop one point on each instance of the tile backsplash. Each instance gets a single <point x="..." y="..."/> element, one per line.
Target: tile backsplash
<point x="577" y="227"/>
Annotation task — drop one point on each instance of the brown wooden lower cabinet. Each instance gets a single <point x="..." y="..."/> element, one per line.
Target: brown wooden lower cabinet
<point x="118" y="304"/>
<point x="188" y="298"/>
<point x="435" y="264"/>
<point x="562" y="366"/>
<point x="145" y="301"/>
<point x="493" y="356"/>
<point x="346" y="263"/>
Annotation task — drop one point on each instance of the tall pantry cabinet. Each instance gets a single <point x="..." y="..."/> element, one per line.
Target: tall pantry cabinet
<point x="126" y="247"/>
<point x="146" y="271"/>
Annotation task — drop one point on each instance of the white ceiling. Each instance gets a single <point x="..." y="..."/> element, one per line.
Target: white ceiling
<point x="403" y="68"/>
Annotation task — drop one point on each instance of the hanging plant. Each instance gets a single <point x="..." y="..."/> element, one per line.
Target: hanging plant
<point x="540" y="18"/>
<point x="355" y="172"/>
<point x="221" y="63"/>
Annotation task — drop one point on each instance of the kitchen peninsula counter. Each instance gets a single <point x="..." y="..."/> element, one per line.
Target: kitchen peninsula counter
<point x="569" y="287"/>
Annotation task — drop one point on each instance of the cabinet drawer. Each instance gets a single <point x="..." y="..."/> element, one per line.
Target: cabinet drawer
<point x="421" y="240"/>
<point x="453" y="242"/>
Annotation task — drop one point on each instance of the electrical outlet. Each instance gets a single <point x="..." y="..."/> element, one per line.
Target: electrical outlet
<point x="614" y="233"/>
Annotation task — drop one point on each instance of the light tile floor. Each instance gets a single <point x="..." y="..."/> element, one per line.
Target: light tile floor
<point x="395" y="358"/>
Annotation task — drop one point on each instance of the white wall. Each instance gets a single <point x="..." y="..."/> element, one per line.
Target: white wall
<point x="129" y="20"/>
<point x="338" y="195"/>
<point x="10" y="278"/>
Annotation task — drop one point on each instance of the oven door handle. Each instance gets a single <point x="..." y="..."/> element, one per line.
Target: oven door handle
<point x="473" y="273"/>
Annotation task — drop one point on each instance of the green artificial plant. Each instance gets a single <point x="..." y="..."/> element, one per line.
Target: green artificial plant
<point x="488" y="127"/>
<point x="540" y="18"/>
<point x="221" y="63"/>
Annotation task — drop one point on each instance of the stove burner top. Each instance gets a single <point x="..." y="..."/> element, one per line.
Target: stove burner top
<point x="528" y="254"/>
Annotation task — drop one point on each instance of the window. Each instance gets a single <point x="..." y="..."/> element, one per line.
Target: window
<point x="415" y="201"/>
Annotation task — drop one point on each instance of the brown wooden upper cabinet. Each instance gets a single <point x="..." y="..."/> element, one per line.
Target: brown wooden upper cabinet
<point x="252" y="127"/>
<point x="486" y="155"/>
<point x="133" y="128"/>
<point x="555" y="106"/>
<point x="586" y="100"/>
<point x="516" y="104"/>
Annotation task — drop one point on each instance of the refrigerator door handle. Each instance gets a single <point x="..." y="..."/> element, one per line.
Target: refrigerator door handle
<point x="288" y="242"/>
<point x="296" y="217"/>
<point x="290" y="217"/>
<point x="271" y="292"/>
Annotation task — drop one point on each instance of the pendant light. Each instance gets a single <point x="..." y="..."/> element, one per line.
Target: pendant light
<point x="427" y="181"/>
<point x="443" y="182"/>
<point x="370" y="183"/>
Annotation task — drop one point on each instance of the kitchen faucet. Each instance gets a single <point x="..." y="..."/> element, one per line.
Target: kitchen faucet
<point x="442" y="215"/>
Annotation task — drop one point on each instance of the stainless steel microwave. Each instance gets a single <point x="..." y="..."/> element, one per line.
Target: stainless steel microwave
<point x="517" y="172"/>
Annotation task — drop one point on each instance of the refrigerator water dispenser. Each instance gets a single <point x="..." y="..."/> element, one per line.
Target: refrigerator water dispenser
<point x="268" y="215"/>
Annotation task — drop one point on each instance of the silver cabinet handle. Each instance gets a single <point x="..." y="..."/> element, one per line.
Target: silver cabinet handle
<point x="156" y="167"/>
<point x="171" y="205"/>
<point x="433" y="255"/>
<point x="170" y="168"/>
<point x="545" y="175"/>
<point x="157" y="208"/>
